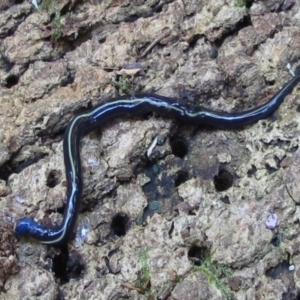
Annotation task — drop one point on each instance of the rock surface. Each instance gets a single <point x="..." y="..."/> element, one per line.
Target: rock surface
<point x="207" y="213"/>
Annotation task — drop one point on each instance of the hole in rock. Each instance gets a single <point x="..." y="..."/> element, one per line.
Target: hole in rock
<point x="120" y="223"/>
<point x="198" y="254"/>
<point x="54" y="178"/>
<point x="11" y="80"/>
<point x="223" y="180"/>
<point x="179" y="147"/>
<point x="181" y="177"/>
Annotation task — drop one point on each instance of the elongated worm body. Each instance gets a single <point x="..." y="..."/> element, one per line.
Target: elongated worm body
<point x="132" y="106"/>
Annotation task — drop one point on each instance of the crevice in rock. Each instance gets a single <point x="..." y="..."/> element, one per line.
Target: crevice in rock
<point x="59" y="210"/>
<point x="67" y="265"/>
<point x="285" y="5"/>
<point x="251" y="172"/>
<point x="180" y="177"/>
<point x="158" y="7"/>
<point x="277" y="271"/>
<point x="194" y="39"/>
<point x="296" y="298"/>
<point x="170" y="232"/>
<point x="270" y="169"/>
<point x="11" y="167"/>
<point x="12" y="29"/>
<point x="225" y="199"/>
<point x="249" y="3"/>
<point x="5" y="63"/>
<point x="276" y="240"/>
<point x="69" y="80"/>
<point x="233" y="31"/>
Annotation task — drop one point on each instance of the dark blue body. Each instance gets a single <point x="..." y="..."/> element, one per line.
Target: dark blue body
<point x="129" y="106"/>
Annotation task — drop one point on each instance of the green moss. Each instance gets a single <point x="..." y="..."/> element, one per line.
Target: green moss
<point x="240" y="3"/>
<point x="145" y="271"/>
<point x="57" y="33"/>
<point x="216" y="273"/>
<point x="52" y="8"/>
<point x="123" y="84"/>
<point x="49" y="6"/>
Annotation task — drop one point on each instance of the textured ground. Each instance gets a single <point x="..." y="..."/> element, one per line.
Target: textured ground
<point x="211" y="214"/>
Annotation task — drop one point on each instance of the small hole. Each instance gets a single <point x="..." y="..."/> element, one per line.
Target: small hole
<point x="276" y="240"/>
<point x="179" y="147"/>
<point x="67" y="81"/>
<point x="181" y="177"/>
<point x="270" y="169"/>
<point x="120" y="223"/>
<point x="192" y="213"/>
<point x="214" y="53"/>
<point x="225" y="200"/>
<point x="11" y="80"/>
<point x="223" y="181"/>
<point x="251" y="171"/>
<point x="198" y="254"/>
<point x="53" y="178"/>
<point x="61" y="209"/>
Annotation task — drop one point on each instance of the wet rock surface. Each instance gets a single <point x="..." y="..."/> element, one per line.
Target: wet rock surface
<point x="202" y="213"/>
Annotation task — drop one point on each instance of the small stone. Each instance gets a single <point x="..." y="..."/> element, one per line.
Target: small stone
<point x="272" y="221"/>
<point x="291" y="267"/>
